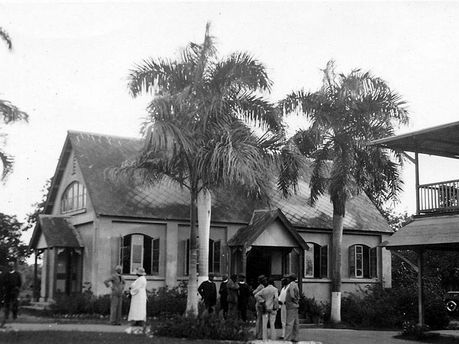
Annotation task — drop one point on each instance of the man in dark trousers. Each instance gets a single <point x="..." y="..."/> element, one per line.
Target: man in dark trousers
<point x="208" y="292"/>
<point x="12" y="283"/>
<point x="223" y="291"/>
<point x="244" y="294"/>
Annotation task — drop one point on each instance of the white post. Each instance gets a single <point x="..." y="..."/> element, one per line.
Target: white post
<point x="204" y="203"/>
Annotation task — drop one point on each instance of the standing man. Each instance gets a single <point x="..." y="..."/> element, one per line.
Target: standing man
<point x="117" y="283"/>
<point x="292" y="299"/>
<point x="262" y="280"/>
<point x="12" y="283"/>
<point x="208" y="292"/>
<point x="269" y="299"/>
<point x="223" y="291"/>
<point x="244" y="295"/>
<point x="233" y="290"/>
<point x="283" y="293"/>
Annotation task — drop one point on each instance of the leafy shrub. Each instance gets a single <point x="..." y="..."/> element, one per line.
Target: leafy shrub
<point x="211" y="327"/>
<point x="412" y="329"/>
<point x="159" y="302"/>
<point x="311" y="309"/>
<point x="390" y="308"/>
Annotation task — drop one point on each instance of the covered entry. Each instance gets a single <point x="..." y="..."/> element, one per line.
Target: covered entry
<point x="268" y="246"/>
<point x="56" y="241"/>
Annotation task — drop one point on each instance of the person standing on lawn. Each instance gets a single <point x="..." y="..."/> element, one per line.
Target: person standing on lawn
<point x="138" y="307"/>
<point x="117" y="283"/>
<point x="208" y="292"/>
<point x="11" y="285"/>
<point x="292" y="300"/>
<point x="243" y="299"/>
<point x="259" y="308"/>
<point x="267" y="298"/>
<point x="233" y="289"/>
<point x="283" y="293"/>
<point x="223" y="291"/>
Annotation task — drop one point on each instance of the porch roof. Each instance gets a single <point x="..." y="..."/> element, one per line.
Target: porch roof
<point x="441" y="140"/>
<point x="261" y="219"/>
<point x="57" y="231"/>
<point x="439" y="232"/>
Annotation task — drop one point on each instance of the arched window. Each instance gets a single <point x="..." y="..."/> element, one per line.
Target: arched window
<point x="316" y="261"/>
<point x="139" y="250"/>
<point x="73" y="198"/>
<point x="362" y="261"/>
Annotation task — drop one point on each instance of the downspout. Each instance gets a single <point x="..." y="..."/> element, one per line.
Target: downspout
<point x="94" y="262"/>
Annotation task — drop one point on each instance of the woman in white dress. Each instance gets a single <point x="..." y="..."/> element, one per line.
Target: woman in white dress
<point x="138" y="308"/>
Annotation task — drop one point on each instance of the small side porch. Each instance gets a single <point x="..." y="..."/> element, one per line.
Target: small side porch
<point x="268" y="246"/>
<point x="55" y="241"/>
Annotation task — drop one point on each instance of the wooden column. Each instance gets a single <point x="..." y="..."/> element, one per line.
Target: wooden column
<point x="420" y="288"/>
<point x="300" y="269"/>
<point x="416" y="176"/>
<point x="244" y="260"/>
<point x="35" y="277"/>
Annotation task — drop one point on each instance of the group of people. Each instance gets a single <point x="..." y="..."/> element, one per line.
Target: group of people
<point x="269" y="300"/>
<point x="234" y="300"/>
<point x="138" y="295"/>
<point x="10" y="285"/>
<point x="235" y="294"/>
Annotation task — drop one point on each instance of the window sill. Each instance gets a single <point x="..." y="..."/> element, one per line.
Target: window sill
<point x="74" y="212"/>
<point x="361" y="280"/>
<point x="316" y="280"/>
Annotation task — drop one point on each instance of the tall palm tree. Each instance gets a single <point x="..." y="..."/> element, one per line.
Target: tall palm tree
<point x="346" y="113"/>
<point x="8" y="114"/>
<point x="197" y="132"/>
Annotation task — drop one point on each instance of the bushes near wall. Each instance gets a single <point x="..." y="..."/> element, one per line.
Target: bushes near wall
<point x="210" y="327"/>
<point x="160" y="301"/>
<point x="390" y="308"/>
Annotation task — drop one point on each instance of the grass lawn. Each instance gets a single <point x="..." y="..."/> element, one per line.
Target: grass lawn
<point x="60" y="337"/>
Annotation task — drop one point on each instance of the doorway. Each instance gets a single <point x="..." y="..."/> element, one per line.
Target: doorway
<point x="258" y="263"/>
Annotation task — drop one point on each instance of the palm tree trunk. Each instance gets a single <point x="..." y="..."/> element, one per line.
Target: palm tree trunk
<point x="204" y="208"/>
<point x="192" y="298"/>
<point x="335" y="313"/>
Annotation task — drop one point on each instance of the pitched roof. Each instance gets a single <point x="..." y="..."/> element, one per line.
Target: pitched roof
<point x="436" y="232"/>
<point x="96" y="153"/>
<point x="260" y="221"/>
<point x="58" y="232"/>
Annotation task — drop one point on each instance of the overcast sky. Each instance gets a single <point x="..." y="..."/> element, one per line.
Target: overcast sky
<point x="70" y="62"/>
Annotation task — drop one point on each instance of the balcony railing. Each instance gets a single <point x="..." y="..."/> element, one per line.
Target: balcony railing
<point x="439" y="197"/>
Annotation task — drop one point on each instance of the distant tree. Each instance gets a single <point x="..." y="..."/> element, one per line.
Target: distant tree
<point x="9" y="114"/>
<point x="343" y="116"/>
<point x="11" y="245"/>
<point x="39" y="207"/>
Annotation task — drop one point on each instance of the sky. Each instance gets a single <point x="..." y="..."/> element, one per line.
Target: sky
<point x="69" y="66"/>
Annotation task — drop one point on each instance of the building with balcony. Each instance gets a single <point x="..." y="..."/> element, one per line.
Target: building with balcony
<point x="436" y="222"/>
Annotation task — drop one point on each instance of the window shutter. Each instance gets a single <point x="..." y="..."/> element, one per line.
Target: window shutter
<point x="217" y="256"/>
<point x="187" y="257"/>
<point x="316" y="261"/>
<point x="155" y="257"/>
<point x="366" y="261"/>
<point x="324" y="261"/>
<point x="373" y="262"/>
<point x="211" y="255"/>
<point x="352" y="261"/>
<point x="147" y="254"/>
<point x="126" y="254"/>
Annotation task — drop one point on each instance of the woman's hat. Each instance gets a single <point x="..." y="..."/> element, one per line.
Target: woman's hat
<point x="140" y="271"/>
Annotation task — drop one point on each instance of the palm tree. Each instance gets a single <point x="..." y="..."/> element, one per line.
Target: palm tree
<point x="8" y="114"/>
<point x="197" y="132"/>
<point x="346" y="113"/>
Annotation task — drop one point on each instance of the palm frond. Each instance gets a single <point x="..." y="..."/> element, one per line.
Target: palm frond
<point x="159" y="75"/>
<point x="7" y="164"/>
<point x="242" y="71"/>
<point x="9" y="113"/>
<point x="6" y="38"/>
